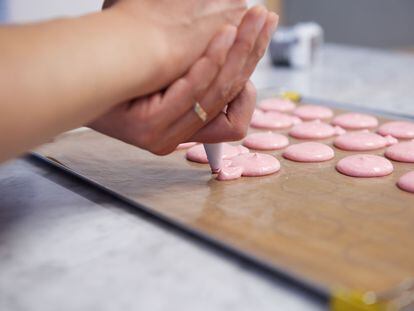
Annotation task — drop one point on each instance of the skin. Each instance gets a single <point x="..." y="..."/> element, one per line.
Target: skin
<point x="103" y="51"/>
<point x="163" y="120"/>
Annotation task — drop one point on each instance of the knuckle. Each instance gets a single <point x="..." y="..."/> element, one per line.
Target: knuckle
<point x="235" y="90"/>
<point x="225" y="91"/>
<point x="239" y="131"/>
<point x="251" y="90"/>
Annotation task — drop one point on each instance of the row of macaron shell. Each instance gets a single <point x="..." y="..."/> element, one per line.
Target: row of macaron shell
<point x="274" y="108"/>
<point x="272" y="115"/>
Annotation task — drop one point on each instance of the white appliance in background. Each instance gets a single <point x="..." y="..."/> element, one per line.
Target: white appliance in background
<point x="298" y="46"/>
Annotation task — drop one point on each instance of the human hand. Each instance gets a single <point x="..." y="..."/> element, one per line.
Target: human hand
<point x="160" y="122"/>
<point x="179" y="30"/>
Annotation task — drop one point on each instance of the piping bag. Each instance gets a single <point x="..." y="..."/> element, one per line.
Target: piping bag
<point x="215" y="156"/>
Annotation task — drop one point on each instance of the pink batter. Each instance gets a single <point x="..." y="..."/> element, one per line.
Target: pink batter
<point x="365" y="165"/>
<point x="402" y="152"/>
<point x="185" y="145"/>
<point x="266" y="141"/>
<point x="406" y="182"/>
<point x="277" y="104"/>
<point x="272" y="120"/>
<point x="398" y="129"/>
<point x="249" y="165"/>
<point x="309" y="152"/>
<point x="355" y="121"/>
<point x="315" y="130"/>
<point x="198" y="154"/>
<point x="313" y="112"/>
<point x="363" y="141"/>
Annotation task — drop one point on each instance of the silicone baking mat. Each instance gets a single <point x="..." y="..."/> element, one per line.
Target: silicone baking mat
<point x="308" y="221"/>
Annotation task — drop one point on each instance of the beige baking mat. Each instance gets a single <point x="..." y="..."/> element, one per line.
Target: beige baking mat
<point x="308" y="221"/>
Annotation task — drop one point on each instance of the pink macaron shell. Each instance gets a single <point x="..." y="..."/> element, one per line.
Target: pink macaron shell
<point x="401" y="152"/>
<point x="313" y="112"/>
<point x="256" y="164"/>
<point x="360" y="141"/>
<point x="365" y="165"/>
<point x="406" y="182"/>
<point x="313" y="130"/>
<point x="271" y="120"/>
<point x="309" y="152"/>
<point x="355" y="121"/>
<point x="277" y="104"/>
<point x="397" y="129"/>
<point x="249" y="165"/>
<point x="230" y="173"/>
<point x="266" y="141"/>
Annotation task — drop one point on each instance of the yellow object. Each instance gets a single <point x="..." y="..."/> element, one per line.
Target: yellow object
<point x="291" y="95"/>
<point x="344" y="300"/>
<point x="399" y="298"/>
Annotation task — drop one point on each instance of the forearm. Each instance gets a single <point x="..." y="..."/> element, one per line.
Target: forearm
<point x="60" y="74"/>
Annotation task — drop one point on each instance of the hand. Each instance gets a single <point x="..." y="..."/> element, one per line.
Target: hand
<point x="160" y="122"/>
<point x="180" y="30"/>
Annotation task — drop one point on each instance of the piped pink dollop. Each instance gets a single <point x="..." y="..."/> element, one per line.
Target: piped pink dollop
<point x="406" y="182"/>
<point x="397" y="129"/>
<point x="313" y="112"/>
<point x="315" y="130"/>
<point x="402" y="152"/>
<point x="309" y="152"/>
<point x="362" y="141"/>
<point x="365" y="165"/>
<point x="249" y="165"/>
<point x="355" y="121"/>
<point x="277" y="104"/>
<point x="272" y="120"/>
<point x="266" y="141"/>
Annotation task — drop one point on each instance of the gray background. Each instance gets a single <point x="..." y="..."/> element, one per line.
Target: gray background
<point x="375" y="23"/>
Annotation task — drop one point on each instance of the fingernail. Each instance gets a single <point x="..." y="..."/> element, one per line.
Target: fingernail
<point x="274" y="22"/>
<point x="275" y="18"/>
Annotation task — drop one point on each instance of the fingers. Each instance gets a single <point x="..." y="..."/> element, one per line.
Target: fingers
<point x="219" y="47"/>
<point x="217" y="96"/>
<point x="220" y="92"/>
<point x="185" y="92"/>
<point x="233" y="124"/>
<point x="260" y="47"/>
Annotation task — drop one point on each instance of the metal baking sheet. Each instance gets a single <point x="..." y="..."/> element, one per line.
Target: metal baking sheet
<point x="308" y="222"/>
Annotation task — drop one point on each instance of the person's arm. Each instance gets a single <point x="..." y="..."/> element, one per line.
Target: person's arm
<point x="61" y="74"/>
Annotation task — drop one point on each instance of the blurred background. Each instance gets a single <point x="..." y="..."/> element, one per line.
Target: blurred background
<point x="371" y="23"/>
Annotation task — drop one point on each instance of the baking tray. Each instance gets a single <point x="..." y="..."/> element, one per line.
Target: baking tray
<point x="307" y="223"/>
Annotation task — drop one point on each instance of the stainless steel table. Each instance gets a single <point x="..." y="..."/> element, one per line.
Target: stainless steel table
<point x="67" y="246"/>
